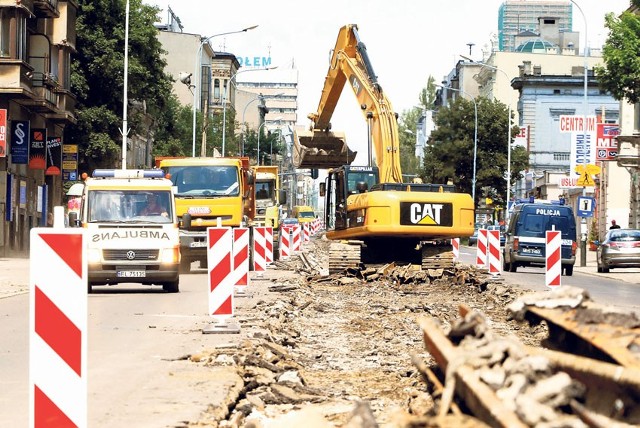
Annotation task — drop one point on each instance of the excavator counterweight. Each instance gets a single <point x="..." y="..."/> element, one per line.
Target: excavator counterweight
<point x="320" y="149"/>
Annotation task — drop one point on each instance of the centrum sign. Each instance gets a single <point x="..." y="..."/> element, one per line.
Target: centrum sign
<point x="575" y="123"/>
<point x="583" y="139"/>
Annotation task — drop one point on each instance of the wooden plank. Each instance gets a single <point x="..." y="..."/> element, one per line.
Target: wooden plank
<point x="477" y="396"/>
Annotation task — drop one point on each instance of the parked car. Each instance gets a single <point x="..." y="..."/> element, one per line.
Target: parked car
<point x="473" y="239"/>
<point x="620" y="248"/>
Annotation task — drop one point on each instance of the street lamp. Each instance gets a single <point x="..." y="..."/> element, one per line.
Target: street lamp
<point x="475" y="138"/>
<point x="583" y="225"/>
<point x="492" y="67"/>
<point x="197" y="74"/>
<point x="224" y="101"/>
<point x="259" y="129"/>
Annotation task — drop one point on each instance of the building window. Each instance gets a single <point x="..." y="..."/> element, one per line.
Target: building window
<point x="13" y="41"/>
<point x="216" y="90"/>
<point x="561" y="157"/>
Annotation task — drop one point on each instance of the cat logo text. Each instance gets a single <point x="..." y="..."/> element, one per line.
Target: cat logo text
<point x="426" y="214"/>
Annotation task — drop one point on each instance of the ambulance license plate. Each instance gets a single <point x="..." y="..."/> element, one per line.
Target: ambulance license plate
<point x="131" y="273"/>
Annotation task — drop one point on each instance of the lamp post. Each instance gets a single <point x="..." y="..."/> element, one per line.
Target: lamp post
<point x="492" y="67"/>
<point x="259" y="97"/>
<point x="197" y="74"/>
<point x="583" y="222"/>
<point x="475" y="138"/>
<point x="259" y="130"/>
<point x="224" y="101"/>
<point x="125" y="129"/>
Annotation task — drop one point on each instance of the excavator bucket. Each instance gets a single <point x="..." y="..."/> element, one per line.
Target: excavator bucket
<point x="321" y="150"/>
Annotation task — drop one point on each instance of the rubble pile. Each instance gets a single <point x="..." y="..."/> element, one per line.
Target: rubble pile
<point x="349" y="339"/>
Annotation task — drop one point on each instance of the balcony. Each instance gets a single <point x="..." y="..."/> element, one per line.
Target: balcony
<point x="629" y="151"/>
<point x="15" y="78"/>
<point x="46" y="8"/>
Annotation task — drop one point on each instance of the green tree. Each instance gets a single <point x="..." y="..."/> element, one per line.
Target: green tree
<point x="449" y="153"/>
<point x="620" y="74"/>
<point x="97" y="79"/>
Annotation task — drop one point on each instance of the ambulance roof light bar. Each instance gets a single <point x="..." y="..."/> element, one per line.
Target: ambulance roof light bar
<point x="128" y="173"/>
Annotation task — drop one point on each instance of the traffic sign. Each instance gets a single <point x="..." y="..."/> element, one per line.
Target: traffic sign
<point x="585" y="180"/>
<point x="588" y="168"/>
<point x="586" y="206"/>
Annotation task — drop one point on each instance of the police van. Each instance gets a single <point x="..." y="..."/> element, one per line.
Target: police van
<point x="525" y="235"/>
<point x="132" y="228"/>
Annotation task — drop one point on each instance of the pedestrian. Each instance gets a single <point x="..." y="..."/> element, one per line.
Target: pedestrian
<point x="614" y="225"/>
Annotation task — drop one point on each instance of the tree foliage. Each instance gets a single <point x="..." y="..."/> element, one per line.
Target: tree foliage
<point x="620" y="74"/>
<point x="449" y="156"/>
<point x="97" y="79"/>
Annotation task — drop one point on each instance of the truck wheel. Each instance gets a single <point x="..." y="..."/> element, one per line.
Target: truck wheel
<point x="185" y="265"/>
<point x="172" y="287"/>
<point x="568" y="270"/>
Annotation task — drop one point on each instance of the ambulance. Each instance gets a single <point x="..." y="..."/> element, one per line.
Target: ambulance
<point x="132" y="228"/>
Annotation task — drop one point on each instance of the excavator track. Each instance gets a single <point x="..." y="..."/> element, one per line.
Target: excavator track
<point x="344" y="255"/>
<point x="437" y="257"/>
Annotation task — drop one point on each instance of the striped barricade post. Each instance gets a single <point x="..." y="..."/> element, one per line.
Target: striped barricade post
<point x="306" y="232"/>
<point x="553" y="261"/>
<point x="493" y="252"/>
<point x="455" y="246"/>
<point x="269" y="244"/>
<point x="241" y="259"/>
<point x="58" y="328"/>
<point x="481" y="249"/>
<point x="295" y="238"/>
<point x="259" y="244"/>
<point x="284" y="244"/>
<point x="220" y="279"/>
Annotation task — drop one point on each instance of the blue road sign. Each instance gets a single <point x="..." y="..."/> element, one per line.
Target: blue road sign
<point x="586" y="206"/>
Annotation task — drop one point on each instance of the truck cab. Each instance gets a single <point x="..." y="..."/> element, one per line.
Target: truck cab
<point x="132" y="228"/>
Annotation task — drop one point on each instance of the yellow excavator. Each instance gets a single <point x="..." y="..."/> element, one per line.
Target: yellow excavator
<point x="370" y="205"/>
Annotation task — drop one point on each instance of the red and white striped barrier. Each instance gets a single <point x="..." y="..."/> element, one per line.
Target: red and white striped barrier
<point x="284" y="243"/>
<point x="221" y="281"/>
<point x="306" y="232"/>
<point x="241" y="257"/>
<point x="259" y="248"/>
<point x="295" y="238"/>
<point x="455" y="246"/>
<point x="269" y="244"/>
<point x="493" y="252"/>
<point x="58" y="328"/>
<point x="553" y="260"/>
<point x="481" y="249"/>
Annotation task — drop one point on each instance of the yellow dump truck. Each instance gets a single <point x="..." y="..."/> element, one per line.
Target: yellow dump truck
<point x="303" y="213"/>
<point x="209" y="192"/>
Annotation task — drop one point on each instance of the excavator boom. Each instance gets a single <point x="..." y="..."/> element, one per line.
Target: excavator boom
<point x="371" y="204"/>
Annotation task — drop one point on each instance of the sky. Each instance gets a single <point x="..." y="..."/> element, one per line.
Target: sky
<point x="407" y="41"/>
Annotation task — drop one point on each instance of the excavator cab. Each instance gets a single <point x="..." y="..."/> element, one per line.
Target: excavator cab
<point x="341" y="184"/>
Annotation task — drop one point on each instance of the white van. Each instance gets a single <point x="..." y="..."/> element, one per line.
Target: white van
<point x="132" y="228"/>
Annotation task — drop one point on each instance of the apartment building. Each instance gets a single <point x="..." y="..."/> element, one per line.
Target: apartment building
<point x="37" y="39"/>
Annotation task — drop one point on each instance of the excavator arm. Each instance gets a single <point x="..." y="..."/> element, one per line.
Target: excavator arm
<point x="350" y="62"/>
